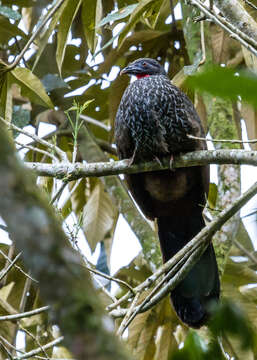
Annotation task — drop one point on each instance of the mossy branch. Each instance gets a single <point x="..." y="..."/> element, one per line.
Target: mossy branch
<point x="74" y="171"/>
<point x="64" y="284"/>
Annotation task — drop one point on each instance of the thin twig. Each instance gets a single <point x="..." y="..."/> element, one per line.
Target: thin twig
<point x="95" y="122"/>
<point x="108" y="277"/>
<point x="203" y="59"/>
<point x="39" y="349"/>
<point x="35" y="34"/>
<point x="250" y="4"/>
<point x="9" y="354"/>
<point x="18" y="267"/>
<point x="232" y="141"/>
<point x="55" y="148"/>
<point x="245" y="40"/>
<point x="10" y="345"/>
<point x="5" y="271"/>
<point x="58" y="193"/>
<point x="35" y="149"/>
<point x="35" y="339"/>
<point x="24" y="314"/>
<point x="124" y="322"/>
<point x="245" y="251"/>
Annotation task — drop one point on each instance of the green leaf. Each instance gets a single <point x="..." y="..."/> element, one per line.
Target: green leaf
<point x="194" y="348"/>
<point x="91" y="15"/>
<point x="229" y="318"/>
<point x="5" y="97"/>
<point x="31" y="86"/>
<point x="66" y="20"/>
<point x="9" y="31"/>
<point x="212" y="196"/>
<point x="225" y="83"/>
<point x="9" y="13"/>
<point x="117" y="15"/>
<point x="45" y="37"/>
<point x="134" y="18"/>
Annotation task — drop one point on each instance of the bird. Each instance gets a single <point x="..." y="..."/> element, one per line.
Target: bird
<point x="153" y="121"/>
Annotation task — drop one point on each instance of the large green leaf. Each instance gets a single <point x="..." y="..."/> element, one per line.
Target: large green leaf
<point x="66" y="19"/>
<point x="117" y="15"/>
<point x="91" y="15"/>
<point x="134" y="18"/>
<point x="45" y="37"/>
<point x="31" y="86"/>
<point x="226" y="83"/>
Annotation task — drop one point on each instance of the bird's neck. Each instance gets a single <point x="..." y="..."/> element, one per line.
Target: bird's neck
<point x="140" y="76"/>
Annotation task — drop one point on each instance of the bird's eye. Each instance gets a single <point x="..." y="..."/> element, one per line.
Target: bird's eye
<point x="144" y="64"/>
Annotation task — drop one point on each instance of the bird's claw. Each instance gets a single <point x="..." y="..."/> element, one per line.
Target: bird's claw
<point x="171" y="163"/>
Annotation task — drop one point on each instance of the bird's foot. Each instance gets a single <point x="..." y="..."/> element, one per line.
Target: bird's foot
<point x="131" y="160"/>
<point x="171" y="163"/>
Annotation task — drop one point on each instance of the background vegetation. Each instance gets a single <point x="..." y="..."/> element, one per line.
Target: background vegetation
<point x="54" y="53"/>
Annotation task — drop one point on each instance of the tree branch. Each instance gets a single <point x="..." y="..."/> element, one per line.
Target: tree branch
<point x="35" y="34"/>
<point x="202" y="238"/>
<point x="52" y="261"/>
<point x="69" y="172"/>
<point x="248" y="42"/>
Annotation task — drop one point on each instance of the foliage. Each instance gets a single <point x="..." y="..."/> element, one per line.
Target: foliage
<point x="77" y="50"/>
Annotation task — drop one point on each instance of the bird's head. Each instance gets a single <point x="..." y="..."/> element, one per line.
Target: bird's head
<point x="144" y="67"/>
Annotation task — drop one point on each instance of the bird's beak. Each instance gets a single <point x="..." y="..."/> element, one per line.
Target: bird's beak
<point x="125" y="70"/>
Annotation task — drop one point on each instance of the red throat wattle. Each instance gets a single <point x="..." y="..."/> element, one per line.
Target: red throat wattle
<point x="140" y="76"/>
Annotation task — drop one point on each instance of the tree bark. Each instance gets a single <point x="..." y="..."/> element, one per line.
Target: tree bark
<point x="64" y="284"/>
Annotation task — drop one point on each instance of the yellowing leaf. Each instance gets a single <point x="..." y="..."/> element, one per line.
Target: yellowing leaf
<point x="31" y="86"/>
<point x="67" y="17"/>
<point x="249" y="114"/>
<point x="142" y="332"/>
<point x="98" y="216"/>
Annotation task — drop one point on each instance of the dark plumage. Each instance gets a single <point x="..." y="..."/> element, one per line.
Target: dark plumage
<point x="153" y="120"/>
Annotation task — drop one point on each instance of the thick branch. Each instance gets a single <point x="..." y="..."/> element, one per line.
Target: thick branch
<point x="235" y="13"/>
<point x="68" y="171"/>
<point x="247" y="41"/>
<point x="64" y="284"/>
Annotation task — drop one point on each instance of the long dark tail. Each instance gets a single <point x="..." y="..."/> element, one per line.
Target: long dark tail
<point x="191" y="298"/>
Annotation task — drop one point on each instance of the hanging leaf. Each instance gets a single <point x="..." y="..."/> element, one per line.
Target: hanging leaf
<point x="223" y="82"/>
<point x="212" y="195"/>
<point x="9" y="30"/>
<point x="134" y="18"/>
<point x="117" y="15"/>
<point x="66" y="19"/>
<point x="98" y="216"/>
<point x="31" y="86"/>
<point x="142" y="332"/>
<point x="6" y="97"/>
<point x="45" y="37"/>
<point x="91" y="15"/>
